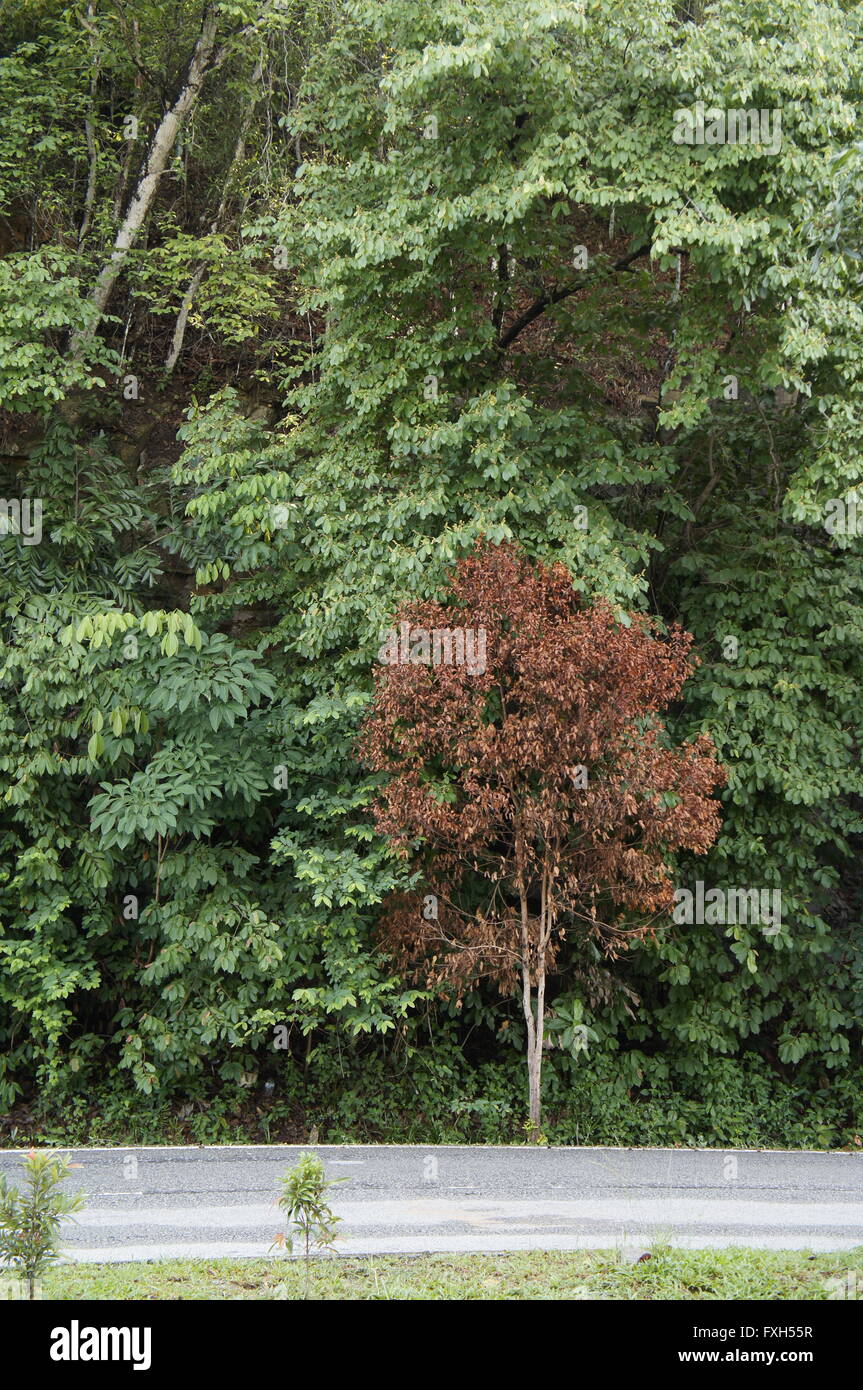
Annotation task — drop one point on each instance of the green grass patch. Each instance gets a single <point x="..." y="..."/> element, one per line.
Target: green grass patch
<point x="583" y="1274"/>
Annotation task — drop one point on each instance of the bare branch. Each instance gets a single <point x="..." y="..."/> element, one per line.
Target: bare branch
<point x="552" y="297"/>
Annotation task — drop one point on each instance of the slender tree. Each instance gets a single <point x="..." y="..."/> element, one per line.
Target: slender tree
<point x="206" y="58"/>
<point x="536" y="787"/>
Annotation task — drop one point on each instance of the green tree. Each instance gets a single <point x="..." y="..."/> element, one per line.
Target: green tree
<point x="30" y="1221"/>
<point x="307" y="1213"/>
<point x="404" y="276"/>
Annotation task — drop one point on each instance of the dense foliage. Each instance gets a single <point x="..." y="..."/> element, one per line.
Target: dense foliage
<point x="296" y="302"/>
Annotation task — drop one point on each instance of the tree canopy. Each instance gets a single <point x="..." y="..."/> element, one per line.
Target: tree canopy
<point x="298" y="303"/>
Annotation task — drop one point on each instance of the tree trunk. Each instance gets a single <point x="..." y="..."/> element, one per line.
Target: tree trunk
<point x="126" y="166"/>
<point x="203" y="59"/>
<point x="534" y="1086"/>
<point x="90" y="130"/>
<point x="195" y="282"/>
<point x="534" y="1026"/>
<point x="533" y="969"/>
<point x="183" y="318"/>
<point x="534" y="1054"/>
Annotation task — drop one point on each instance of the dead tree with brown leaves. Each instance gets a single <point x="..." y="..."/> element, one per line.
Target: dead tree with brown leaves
<point x="537" y="788"/>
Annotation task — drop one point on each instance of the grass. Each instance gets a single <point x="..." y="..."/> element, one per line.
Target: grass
<point x="588" y="1274"/>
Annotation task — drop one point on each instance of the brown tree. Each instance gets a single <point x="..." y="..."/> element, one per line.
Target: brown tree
<point x="529" y="775"/>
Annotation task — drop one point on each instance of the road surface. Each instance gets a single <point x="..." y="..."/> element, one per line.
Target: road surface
<point x="151" y="1203"/>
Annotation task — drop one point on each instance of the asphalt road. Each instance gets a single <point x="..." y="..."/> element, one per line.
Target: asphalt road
<point x="153" y="1203"/>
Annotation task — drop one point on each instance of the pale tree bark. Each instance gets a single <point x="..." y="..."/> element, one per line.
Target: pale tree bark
<point x="90" y="127"/>
<point x="534" y="1062"/>
<point x="182" y="319"/>
<point x="195" y="282"/>
<point x="533" y="980"/>
<point x="204" y="59"/>
<point x="529" y="969"/>
<point x="126" y="167"/>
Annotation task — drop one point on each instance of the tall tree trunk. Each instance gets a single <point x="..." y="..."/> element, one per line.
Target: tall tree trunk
<point x="183" y="318"/>
<point x="195" y="282"/>
<point x="533" y="1025"/>
<point x="90" y="127"/>
<point x="534" y="1086"/>
<point x="536" y="972"/>
<point x="539" y="1035"/>
<point x="527" y="1002"/>
<point x="126" y="166"/>
<point x="204" y="58"/>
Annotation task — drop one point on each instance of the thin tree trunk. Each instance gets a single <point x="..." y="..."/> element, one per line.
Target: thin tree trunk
<point x="536" y="1029"/>
<point x="182" y="319"/>
<point x="534" y="1079"/>
<point x="126" y="167"/>
<point x="90" y="195"/>
<point x="204" y="58"/>
<point x="195" y="282"/>
<point x="542" y="943"/>
<point x="90" y="129"/>
<point x="533" y="1058"/>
